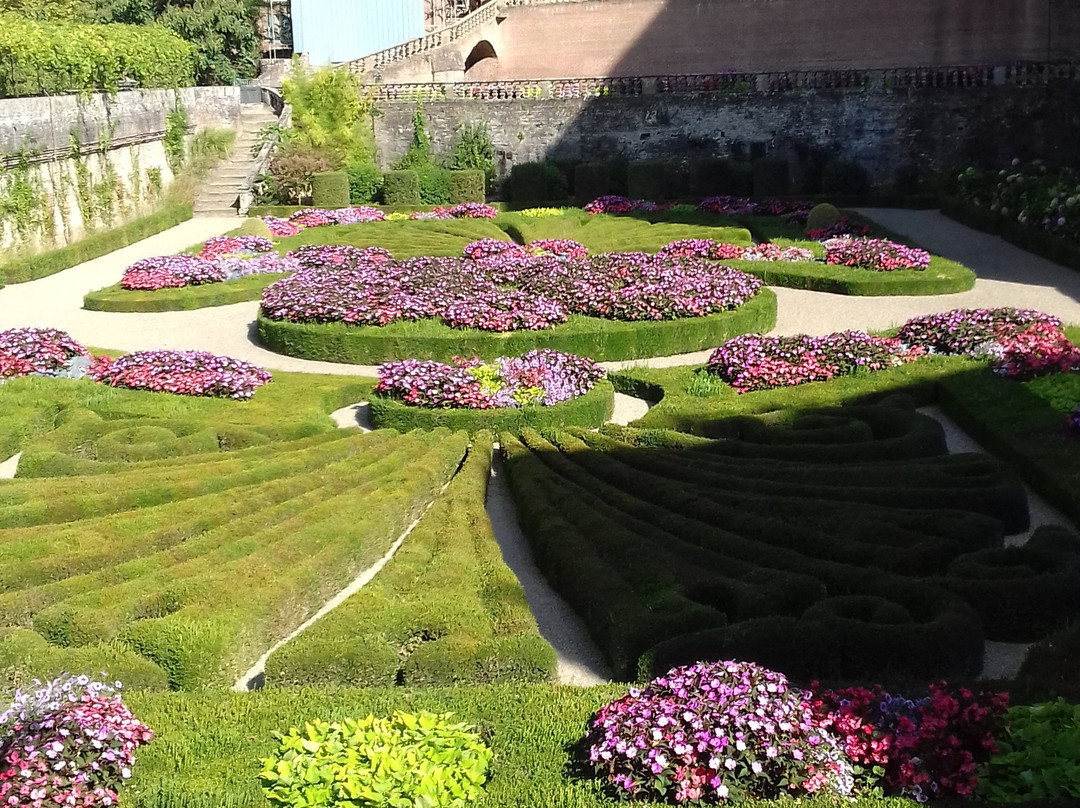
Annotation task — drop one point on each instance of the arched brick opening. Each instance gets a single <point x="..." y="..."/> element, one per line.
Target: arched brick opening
<point x="482" y="62"/>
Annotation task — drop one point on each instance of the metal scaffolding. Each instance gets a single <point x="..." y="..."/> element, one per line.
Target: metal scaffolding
<point x="441" y="13"/>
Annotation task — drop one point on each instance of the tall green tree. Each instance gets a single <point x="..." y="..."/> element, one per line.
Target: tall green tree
<point x="224" y="32"/>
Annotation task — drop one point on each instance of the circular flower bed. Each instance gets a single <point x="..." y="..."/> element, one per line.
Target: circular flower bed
<point x="877" y="254"/>
<point x="716" y="731"/>
<point x="752" y="362"/>
<point x="473" y="294"/>
<point x="187" y="373"/>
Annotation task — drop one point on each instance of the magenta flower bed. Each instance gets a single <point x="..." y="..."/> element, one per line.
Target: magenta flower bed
<point x="70" y="742"/>
<point x="558" y="247"/>
<point x="843" y="228"/>
<point x="740" y="206"/>
<point x="711" y="732"/>
<point x="37" y="350"/>
<point x="877" y="254"/>
<point x="473" y="294"/>
<point x="221" y="246"/>
<point x="494" y="248"/>
<point x="542" y="377"/>
<point x="970" y="331"/>
<point x="1036" y="351"/>
<point x="752" y="362"/>
<point x="171" y="271"/>
<point x="926" y="748"/>
<point x="316" y="256"/>
<point x="620" y="204"/>
<point x="186" y="373"/>
<point x="473" y="210"/>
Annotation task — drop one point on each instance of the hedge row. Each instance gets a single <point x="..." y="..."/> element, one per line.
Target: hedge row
<point x="942" y="277"/>
<point x="602" y="340"/>
<point x="590" y="410"/>
<point x="1046" y="245"/>
<point x="33" y="267"/>
<point x="115" y="298"/>
<point x="763" y="546"/>
<point x="446" y="610"/>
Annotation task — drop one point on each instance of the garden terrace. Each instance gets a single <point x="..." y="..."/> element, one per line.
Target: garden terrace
<point x="840" y="528"/>
<point x="444" y="611"/>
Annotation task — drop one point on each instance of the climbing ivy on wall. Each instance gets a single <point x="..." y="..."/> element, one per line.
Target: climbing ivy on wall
<point x="175" y="127"/>
<point x="24" y="205"/>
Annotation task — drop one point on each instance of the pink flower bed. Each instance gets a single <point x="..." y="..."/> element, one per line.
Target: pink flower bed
<point x="494" y="248"/>
<point x="715" y="251"/>
<point x="316" y="256"/>
<point x="842" y="228"/>
<point x="473" y="210"/>
<point x="620" y="204"/>
<point x="438" y="213"/>
<point x="171" y="271"/>
<point x="740" y="206"/>
<point x="971" y="331"/>
<point x="558" y="247"/>
<point x="220" y="246"/>
<point x="542" y="377"/>
<point x="37" y="350"/>
<point x="473" y="294"/>
<point x="186" y="373"/>
<point x="69" y="742"/>
<point x="752" y="362"/>
<point x="1036" y="351"/>
<point x="877" y="254"/>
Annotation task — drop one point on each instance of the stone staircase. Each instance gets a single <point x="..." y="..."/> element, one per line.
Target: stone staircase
<point x="219" y="196"/>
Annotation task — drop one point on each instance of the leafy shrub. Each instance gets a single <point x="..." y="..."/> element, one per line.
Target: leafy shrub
<point x="330" y="189"/>
<point x="844" y="177"/>
<point x="434" y="184"/>
<point x="536" y="182"/>
<point x="419" y="151"/>
<point x="467" y="185"/>
<point x="823" y="216"/>
<point x="1038" y="755"/>
<point x="57" y="57"/>
<point x="365" y="182"/>
<point x="473" y="149"/>
<point x="649" y="179"/>
<point x="716" y="731"/>
<point x="592" y="180"/>
<point x="770" y="177"/>
<point x="929" y="747"/>
<point x="294" y="165"/>
<point x="401" y="188"/>
<point x="407" y="760"/>
<point x="330" y="114"/>
<point x="729" y="177"/>
<point x="73" y="721"/>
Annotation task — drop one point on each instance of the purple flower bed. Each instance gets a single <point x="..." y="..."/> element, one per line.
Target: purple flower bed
<point x="236" y="266"/>
<point x="317" y="256"/>
<point x="69" y="742"/>
<point x="37" y="350"/>
<point x="171" y="271"/>
<point x="473" y="210"/>
<point x="877" y="254"/>
<point x="740" y="206"/>
<point x="711" y="732"/>
<point x="318" y="217"/>
<point x="701" y="248"/>
<point x="473" y="294"/>
<point x="542" y="377"/>
<point x="281" y="228"/>
<point x="970" y="331"/>
<point x="752" y="362"/>
<point x="494" y="248"/>
<point x="558" y="247"/>
<point x="437" y="213"/>
<point x="221" y="246"/>
<point x="185" y="373"/>
<point x="620" y="204"/>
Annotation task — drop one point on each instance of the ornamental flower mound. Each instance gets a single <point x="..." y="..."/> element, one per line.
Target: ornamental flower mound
<point x="739" y="206"/>
<point x="711" y="732"/>
<point x="924" y="748"/>
<point x="221" y="246"/>
<point x="44" y="351"/>
<point x="558" y="247"/>
<point x="620" y="204"/>
<point x="171" y="271"/>
<point x="70" y="742"/>
<point x="185" y="373"/>
<point x="339" y="255"/>
<point x="463" y="293"/>
<point x="542" y="378"/>
<point x="494" y="248"/>
<point x="971" y="331"/>
<point x="473" y="210"/>
<point x="1036" y="351"/>
<point x="880" y="255"/>
<point x="752" y="362"/>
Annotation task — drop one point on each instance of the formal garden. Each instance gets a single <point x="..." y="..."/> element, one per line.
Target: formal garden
<point x="563" y="516"/>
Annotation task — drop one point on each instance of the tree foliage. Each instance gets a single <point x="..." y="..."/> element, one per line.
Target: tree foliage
<point x="331" y="112"/>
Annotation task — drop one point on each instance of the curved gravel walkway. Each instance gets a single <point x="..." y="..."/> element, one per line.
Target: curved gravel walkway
<point x="1007" y="276"/>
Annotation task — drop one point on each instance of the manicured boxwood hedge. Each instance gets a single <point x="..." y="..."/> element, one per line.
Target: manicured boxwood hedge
<point x="116" y="298"/>
<point x="942" y="277"/>
<point x="446" y="610"/>
<point x="590" y="410"/>
<point x="602" y="340"/>
<point x="33" y="267"/>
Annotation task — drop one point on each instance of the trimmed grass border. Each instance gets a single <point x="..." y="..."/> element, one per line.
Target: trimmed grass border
<point x="590" y="410"/>
<point x="942" y="277"/>
<point x="32" y="267"/>
<point x="116" y="298"/>
<point x="602" y="340"/>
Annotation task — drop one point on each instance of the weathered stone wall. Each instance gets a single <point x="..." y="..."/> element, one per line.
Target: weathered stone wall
<point x="45" y="124"/>
<point x="882" y="129"/>
<point x="596" y="38"/>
